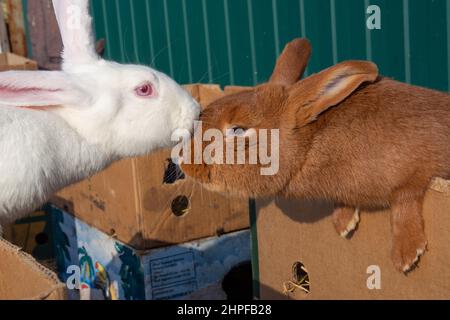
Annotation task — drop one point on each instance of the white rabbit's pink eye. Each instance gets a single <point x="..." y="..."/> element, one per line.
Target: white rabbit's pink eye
<point x="145" y="90"/>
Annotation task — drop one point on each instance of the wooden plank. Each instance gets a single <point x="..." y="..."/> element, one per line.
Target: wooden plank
<point x="16" y="25"/>
<point x="4" y="41"/>
<point x="46" y="44"/>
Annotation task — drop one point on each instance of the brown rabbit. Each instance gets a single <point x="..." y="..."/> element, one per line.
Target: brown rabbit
<point x="346" y="135"/>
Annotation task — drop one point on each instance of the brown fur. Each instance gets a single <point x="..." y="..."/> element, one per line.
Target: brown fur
<point x="346" y="135"/>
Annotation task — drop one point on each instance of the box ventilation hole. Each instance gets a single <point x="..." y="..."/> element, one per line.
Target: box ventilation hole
<point x="172" y="173"/>
<point x="180" y="206"/>
<point x="300" y="279"/>
<point x="238" y="282"/>
<point x="41" y="238"/>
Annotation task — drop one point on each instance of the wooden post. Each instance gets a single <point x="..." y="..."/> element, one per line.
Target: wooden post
<point x="4" y="40"/>
<point x="16" y="24"/>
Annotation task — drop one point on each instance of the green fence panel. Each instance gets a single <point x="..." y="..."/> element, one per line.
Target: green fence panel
<point x="237" y="41"/>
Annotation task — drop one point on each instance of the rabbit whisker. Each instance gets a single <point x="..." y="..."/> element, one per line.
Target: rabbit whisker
<point x="152" y="63"/>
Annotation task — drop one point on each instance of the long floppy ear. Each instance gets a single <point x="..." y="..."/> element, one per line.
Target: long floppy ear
<point x="319" y="92"/>
<point x="292" y="62"/>
<point x="33" y="89"/>
<point x="75" y="25"/>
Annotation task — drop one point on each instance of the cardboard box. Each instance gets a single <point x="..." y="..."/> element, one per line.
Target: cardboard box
<point x="208" y="93"/>
<point x="299" y="231"/>
<point x="139" y="202"/>
<point x="11" y="61"/>
<point x="110" y="269"/>
<point x="21" y="277"/>
<point x="33" y="234"/>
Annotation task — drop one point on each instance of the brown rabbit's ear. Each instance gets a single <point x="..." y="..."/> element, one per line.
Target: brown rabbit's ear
<point x="328" y="88"/>
<point x="292" y="62"/>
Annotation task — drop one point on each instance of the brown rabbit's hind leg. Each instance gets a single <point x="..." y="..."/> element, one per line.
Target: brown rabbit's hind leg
<point x="345" y="220"/>
<point x="409" y="241"/>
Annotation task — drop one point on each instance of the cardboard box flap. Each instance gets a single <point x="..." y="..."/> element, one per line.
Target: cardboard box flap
<point x="235" y="89"/>
<point x="204" y="93"/>
<point x="22" y="277"/>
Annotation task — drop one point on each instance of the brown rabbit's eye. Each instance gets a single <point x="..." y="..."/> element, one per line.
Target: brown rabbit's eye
<point x="235" y="131"/>
<point x="145" y="90"/>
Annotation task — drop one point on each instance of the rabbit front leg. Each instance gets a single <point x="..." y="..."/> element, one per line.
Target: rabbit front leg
<point x="345" y="220"/>
<point x="409" y="241"/>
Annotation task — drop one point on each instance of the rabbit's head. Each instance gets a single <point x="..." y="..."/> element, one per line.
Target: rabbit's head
<point x="286" y="104"/>
<point x="127" y="109"/>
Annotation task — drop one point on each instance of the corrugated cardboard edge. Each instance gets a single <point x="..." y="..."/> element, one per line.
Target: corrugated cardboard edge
<point x="208" y="93"/>
<point x="58" y="289"/>
<point x="235" y="89"/>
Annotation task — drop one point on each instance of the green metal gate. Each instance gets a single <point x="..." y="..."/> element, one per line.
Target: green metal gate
<point x="237" y="41"/>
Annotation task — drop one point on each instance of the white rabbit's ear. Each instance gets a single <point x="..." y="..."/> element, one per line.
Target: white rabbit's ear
<point x="37" y="89"/>
<point x="75" y="25"/>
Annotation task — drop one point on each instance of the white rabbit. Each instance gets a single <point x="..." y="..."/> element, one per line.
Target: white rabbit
<point x="59" y="127"/>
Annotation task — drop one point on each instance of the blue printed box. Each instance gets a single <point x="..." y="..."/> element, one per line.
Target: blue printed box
<point x="112" y="270"/>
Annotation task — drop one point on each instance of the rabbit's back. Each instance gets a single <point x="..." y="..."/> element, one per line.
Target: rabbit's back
<point x="39" y="154"/>
<point x="384" y="135"/>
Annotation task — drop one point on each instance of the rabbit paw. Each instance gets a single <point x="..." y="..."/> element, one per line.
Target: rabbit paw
<point x="345" y="220"/>
<point x="407" y="249"/>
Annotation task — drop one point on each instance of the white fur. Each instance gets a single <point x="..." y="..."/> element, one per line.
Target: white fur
<point x="99" y="118"/>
